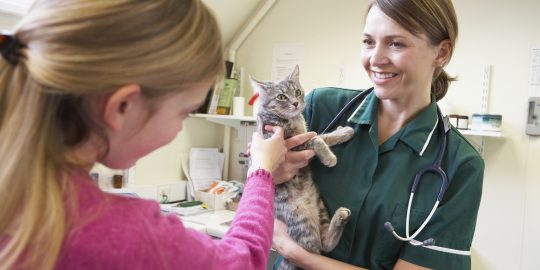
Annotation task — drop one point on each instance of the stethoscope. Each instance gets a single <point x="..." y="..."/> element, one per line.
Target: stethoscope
<point x="443" y="125"/>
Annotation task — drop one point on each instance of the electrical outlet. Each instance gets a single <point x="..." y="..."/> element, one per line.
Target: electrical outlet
<point x="164" y="193"/>
<point x="171" y="192"/>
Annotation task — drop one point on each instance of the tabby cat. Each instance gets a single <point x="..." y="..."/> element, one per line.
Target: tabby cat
<point x="297" y="201"/>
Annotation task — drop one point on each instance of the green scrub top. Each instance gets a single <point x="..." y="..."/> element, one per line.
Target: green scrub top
<point x="374" y="182"/>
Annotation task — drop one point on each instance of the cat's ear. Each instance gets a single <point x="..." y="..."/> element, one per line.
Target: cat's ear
<point x="258" y="86"/>
<point x="295" y="74"/>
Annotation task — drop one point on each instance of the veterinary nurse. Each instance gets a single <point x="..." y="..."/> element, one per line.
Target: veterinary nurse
<point x="406" y="44"/>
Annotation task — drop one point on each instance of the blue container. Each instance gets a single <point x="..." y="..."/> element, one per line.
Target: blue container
<point x="487" y="122"/>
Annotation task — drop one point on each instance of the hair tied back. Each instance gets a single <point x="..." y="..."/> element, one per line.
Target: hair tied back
<point x="9" y="47"/>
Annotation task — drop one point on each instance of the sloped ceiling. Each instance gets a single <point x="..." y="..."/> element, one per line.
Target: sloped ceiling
<point x="14" y="7"/>
<point x="231" y="14"/>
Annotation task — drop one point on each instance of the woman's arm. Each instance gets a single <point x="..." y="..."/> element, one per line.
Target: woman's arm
<point x="246" y="245"/>
<point x="294" y="253"/>
<point x="405" y="265"/>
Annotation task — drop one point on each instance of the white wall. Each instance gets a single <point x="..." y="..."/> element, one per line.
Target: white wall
<point x="7" y="21"/>
<point x="163" y="165"/>
<point x="496" y="33"/>
<point x="509" y="207"/>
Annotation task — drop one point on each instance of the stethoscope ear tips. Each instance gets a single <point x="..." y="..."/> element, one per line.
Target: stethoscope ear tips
<point x="389" y="226"/>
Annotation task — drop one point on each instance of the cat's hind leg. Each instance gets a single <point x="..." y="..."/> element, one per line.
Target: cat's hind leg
<point x="330" y="237"/>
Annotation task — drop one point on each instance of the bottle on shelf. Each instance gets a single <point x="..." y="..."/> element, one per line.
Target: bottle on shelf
<point x="226" y="96"/>
<point x="230" y="86"/>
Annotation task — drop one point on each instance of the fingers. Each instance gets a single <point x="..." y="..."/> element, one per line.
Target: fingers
<point x="300" y="156"/>
<point x="260" y="125"/>
<point x="269" y="128"/>
<point x="293" y="162"/>
<point x="295" y="140"/>
<point x="299" y="139"/>
<point x="268" y="153"/>
<point x="257" y="135"/>
<point x="280" y="233"/>
<point x="279" y="225"/>
<point x="278" y="132"/>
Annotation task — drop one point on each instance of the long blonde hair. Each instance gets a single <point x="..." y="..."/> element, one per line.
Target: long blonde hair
<point x="72" y="50"/>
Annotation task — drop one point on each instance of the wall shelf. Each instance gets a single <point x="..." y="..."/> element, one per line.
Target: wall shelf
<point x="227" y="120"/>
<point x="482" y="133"/>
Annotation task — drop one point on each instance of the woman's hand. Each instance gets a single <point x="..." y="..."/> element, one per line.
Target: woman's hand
<point x="267" y="154"/>
<point x="294" y="160"/>
<point x="296" y="254"/>
<point x="281" y="241"/>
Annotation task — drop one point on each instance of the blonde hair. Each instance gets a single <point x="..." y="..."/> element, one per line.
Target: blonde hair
<point x="436" y="19"/>
<point x="72" y="50"/>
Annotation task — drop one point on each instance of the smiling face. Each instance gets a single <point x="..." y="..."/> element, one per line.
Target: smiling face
<point x="400" y="64"/>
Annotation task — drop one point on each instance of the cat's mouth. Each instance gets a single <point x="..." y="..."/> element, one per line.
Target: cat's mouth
<point x="290" y="112"/>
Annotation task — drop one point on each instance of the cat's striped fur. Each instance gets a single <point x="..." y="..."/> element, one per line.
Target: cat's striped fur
<point x="297" y="201"/>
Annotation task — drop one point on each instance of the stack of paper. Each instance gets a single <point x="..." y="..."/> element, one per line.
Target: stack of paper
<point x="205" y="167"/>
<point x="184" y="211"/>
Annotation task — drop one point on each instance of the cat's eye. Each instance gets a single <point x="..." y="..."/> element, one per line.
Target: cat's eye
<point x="281" y="97"/>
<point x="297" y="92"/>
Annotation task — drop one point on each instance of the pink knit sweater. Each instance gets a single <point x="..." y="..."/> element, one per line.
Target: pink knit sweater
<point x="116" y="232"/>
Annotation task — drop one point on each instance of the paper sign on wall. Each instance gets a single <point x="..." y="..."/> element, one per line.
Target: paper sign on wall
<point x="284" y="57"/>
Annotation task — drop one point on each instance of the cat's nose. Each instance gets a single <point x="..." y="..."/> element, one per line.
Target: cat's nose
<point x="295" y="104"/>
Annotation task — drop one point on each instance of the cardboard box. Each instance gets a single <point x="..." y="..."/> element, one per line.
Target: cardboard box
<point x="216" y="202"/>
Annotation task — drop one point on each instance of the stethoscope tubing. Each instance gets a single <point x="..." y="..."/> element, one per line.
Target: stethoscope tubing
<point x="361" y="96"/>
<point x="435" y="168"/>
<point x="407" y="237"/>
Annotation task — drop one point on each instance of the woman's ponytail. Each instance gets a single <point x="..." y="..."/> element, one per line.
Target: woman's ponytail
<point x="440" y="84"/>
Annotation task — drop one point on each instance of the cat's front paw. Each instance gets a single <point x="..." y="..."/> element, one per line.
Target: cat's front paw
<point x="330" y="161"/>
<point x="342" y="215"/>
<point x="345" y="132"/>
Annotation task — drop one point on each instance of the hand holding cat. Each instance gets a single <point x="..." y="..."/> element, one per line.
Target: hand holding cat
<point x="294" y="160"/>
<point x="282" y="242"/>
<point x="270" y="153"/>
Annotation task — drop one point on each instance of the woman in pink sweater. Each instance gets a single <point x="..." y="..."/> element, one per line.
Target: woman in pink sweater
<point x="86" y="81"/>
